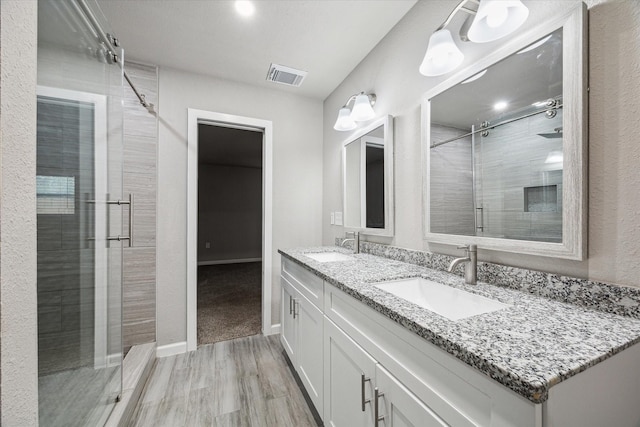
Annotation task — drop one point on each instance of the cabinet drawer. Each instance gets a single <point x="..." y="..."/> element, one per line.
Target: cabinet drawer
<point x="307" y="283"/>
<point x="459" y="394"/>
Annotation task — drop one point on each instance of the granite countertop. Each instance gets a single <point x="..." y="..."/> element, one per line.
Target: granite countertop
<point x="528" y="347"/>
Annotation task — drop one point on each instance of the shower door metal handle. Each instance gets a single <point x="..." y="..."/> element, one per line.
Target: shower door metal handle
<point x="124" y="202"/>
<point x="481" y="220"/>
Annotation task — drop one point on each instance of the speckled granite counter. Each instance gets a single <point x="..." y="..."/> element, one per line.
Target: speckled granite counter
<point x="528" y="347"/>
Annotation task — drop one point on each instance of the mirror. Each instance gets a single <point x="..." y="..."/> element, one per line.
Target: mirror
<point x="505" y="147"/>
<point x="367" y="179"/>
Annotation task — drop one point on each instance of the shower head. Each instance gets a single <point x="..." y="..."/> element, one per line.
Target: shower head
<point x="557" y="133"/>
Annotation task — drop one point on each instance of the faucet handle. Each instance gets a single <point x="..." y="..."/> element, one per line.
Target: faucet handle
<point x="469" y="248"/>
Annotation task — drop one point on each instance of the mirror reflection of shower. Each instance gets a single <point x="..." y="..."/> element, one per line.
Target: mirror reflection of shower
<point x="517" y="174"/>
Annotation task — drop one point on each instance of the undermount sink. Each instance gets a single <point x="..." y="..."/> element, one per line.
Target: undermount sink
<point x="449" y="302"/>
<point x="328" y="256"/>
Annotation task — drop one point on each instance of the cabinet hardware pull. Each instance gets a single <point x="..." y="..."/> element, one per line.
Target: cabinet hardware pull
<point x="363" y="380"/>
<point x="290" y="304"/>
<point x="376" y="411"/>
<point x="296" y="304"/>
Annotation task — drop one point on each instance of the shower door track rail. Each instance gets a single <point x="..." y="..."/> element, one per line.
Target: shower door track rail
<point x="111" y="42"/>
<point x="505" y="122"/>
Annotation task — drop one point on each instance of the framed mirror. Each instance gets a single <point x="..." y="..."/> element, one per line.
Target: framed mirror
<point x="367" y="179"/>
<point x="505" y="147"/>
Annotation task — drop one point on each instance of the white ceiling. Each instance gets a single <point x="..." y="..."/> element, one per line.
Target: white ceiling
<point x="327" y="38"/>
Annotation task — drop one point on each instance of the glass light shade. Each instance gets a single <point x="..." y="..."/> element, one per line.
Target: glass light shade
<point x="554" y="157"/>
<point x="344" y="122"/>
<point x="497" y="18"/>
<point x="442" y="55"/>
<point x="362" y="110"/>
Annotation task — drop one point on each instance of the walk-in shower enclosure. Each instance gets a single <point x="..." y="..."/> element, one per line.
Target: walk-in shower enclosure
<point x="79" y="186"/>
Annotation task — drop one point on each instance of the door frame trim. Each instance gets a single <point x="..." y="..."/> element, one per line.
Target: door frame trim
<point x="196" y="117"/>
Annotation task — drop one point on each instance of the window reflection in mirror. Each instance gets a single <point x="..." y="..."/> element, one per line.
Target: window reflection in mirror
<point x="368" y="179"/>
<point x="496" y="149"/>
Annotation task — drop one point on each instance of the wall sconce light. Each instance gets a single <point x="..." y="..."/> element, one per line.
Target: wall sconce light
<point x="492" y="20"/>
<point x="362" y="111"/>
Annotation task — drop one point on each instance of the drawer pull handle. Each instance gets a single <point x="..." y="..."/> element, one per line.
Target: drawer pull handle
<point x="290" y="304"/>
<point x="376" y="411"/>
<point x="296" y="304"/>
<point x="363" y="380"/>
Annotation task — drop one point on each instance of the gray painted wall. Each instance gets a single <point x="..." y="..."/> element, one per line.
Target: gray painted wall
<point x="614" y="211"/>
<point x="297" y="178"/>
<point x="18" y="315"/>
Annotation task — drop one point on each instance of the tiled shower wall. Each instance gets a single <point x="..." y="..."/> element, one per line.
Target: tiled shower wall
<point x="451" y="183"/>
<point x="140" y="179"/>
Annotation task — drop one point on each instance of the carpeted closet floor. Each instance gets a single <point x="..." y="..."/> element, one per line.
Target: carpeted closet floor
<point x="229" y="301"/>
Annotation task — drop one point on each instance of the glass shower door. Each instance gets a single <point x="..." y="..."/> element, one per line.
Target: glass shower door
<point x="80" y="210"/>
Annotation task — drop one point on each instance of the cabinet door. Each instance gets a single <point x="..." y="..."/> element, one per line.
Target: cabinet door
<point x="345" y="363"/>
<point x="288" y="330"/>
<point x="399" y="406"/>
<point x="309" y="357"/>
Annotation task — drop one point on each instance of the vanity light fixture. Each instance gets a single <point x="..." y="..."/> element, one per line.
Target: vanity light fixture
<point x="474" y="77"/>
<point x="362" y="111"/>
<point x="493" y="19"/>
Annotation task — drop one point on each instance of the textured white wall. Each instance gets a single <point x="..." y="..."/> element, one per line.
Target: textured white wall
<point x="391" y="70"/>
<point x="297" y="178"/>
<point x="18" y="314"/>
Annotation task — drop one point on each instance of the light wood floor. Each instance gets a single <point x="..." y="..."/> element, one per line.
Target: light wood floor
<point x="243" y="382"/>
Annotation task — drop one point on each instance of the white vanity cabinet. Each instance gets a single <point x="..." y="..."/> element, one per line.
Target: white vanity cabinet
<point x="357" y="389"/>
<point x="343" y="350"/>
<point x="302" y="327"/>
<point x="421" y="385"/>
<point x="348" y="378"/>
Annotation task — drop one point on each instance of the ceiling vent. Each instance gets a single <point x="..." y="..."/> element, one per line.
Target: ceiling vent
<point x="285" y="75"/>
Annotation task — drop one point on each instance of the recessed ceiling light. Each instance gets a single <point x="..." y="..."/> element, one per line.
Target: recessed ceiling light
<point x="245" y="7"/>
<point x="500" y="105"/>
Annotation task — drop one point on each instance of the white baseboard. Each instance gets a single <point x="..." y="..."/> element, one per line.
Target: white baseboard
<point x="229" y="261"/>
<point x="275" y="329"/>
<point x="114" y="360"/>
<point x="171" y="349"/>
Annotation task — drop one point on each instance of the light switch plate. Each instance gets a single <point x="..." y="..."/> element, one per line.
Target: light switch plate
<point x="338" y="218"/>
<point x="333" y="219"/>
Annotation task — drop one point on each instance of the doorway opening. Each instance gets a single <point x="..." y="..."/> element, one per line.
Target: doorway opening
<point x="227" y="246"/>
<point x="229" y="233"/>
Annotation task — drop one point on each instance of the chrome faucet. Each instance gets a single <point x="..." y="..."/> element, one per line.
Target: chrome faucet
<point x="471" y="264"/>
<point x="355" y="240"/>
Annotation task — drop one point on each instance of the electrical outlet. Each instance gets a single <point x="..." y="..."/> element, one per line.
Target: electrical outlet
<point x="207" y="245"/>
<point x="338" y="218"/>
<point x="333" y="218"/>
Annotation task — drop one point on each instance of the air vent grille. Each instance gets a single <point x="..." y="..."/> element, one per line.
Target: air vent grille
<point x="285" y="75"/>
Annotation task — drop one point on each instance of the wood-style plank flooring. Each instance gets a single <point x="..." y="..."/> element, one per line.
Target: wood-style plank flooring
<point x="242" y="382"/>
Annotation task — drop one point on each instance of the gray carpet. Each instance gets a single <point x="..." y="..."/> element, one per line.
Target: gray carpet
<point x="229" y="301"/>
